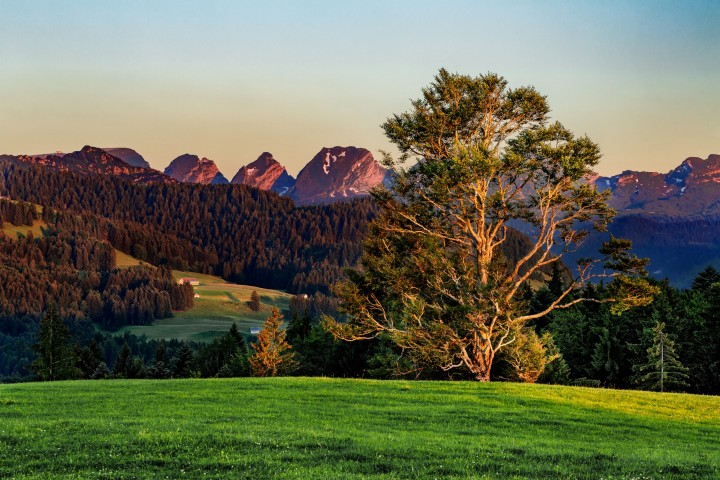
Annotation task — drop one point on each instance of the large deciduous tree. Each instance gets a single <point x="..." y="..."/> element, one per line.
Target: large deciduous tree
<point x="434" y="277"/>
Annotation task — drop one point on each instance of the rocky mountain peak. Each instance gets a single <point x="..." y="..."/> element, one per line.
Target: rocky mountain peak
<point x="689" y="189"/>
<point x="190" y="168"/>
<point x="129" y="156"/>
<point x="90" y="161"/>
<point x="337" y="173"/>
<point x="265" y="173"/>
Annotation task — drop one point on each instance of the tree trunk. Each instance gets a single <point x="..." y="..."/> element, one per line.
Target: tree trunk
<point x="481" y="359"/>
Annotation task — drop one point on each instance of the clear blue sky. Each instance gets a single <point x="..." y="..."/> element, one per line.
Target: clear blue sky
<point x="231" y="79"/>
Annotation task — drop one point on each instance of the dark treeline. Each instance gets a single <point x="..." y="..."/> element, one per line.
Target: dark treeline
<point x="78" y="274"/>
<point x="601" y="349"/>
<point x="242" y="234"/>
<point x="96" y="356"/>
<point x="591" y="346"/>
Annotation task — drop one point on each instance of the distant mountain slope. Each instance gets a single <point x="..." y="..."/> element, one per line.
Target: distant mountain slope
<point x="265" y="173"/>
<point x="189" y="168"/>
<point x="338" y="173"/>
<point x="693" y="188"/>
<point x="129" y="156"/>
<point x="672" y="218"/>
<point x="90" y="161"/>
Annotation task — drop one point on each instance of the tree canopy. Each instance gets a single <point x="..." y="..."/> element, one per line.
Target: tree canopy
<point x="434" y="276"/>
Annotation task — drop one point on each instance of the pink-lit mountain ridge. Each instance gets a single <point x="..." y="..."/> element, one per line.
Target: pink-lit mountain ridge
<point x="691" y="189"/>
<point x="672" y="218"/>
<point x="265" y="173"/>
<point x="333" y="174"/>
<point x="90" y="161"/>
<point x="193" y="169"/>
<point x="338" y="173"/>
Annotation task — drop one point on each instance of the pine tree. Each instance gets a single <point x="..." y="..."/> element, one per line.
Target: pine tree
<point x="271" y="355"/>
<point x="706" y="279"/>
<point x="56" y="357"/>
<point x="663" y="370"/>
<point x="557" y="371"/>
<point x="254" y="302"/>
<point x="159" y="369"/>
<point x="124" y="363"/>
<point x="237" y="336"/>
<point x="299" y="327"/>
<point x="183" y="362"/>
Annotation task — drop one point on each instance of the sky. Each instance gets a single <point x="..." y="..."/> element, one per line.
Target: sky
<point x="228" y="80"/>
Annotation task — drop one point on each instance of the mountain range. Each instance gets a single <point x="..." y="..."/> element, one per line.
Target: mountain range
<point x="91" y="161"/>
<point x="672" y="218"/>
<point x="337" y="173"/>
<point x="691" y="189"/>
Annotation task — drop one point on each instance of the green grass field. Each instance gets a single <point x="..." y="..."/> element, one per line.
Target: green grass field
<point x="303" y="428"/>
<point x="219" y="305"/>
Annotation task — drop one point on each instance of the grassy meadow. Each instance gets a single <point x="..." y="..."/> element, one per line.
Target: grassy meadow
<point x="219" y="305"/>
<point x="300" y="428"/>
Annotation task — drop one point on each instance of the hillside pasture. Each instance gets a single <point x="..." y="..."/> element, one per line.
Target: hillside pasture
<point x="123" y="260"/>
<point x="219" y="304"/>
<point x="13" y="231"/>
<point x="299" y="428"/>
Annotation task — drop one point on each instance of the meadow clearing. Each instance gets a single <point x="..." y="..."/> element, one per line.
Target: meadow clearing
<point x="219" y="304"/>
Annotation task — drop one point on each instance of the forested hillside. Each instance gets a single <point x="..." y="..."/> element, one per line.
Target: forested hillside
<point x="75" y="272"/>
<point x="240" y="233"/>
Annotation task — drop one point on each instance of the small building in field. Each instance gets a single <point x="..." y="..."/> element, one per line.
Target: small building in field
<point x="255" y="330"/>
<point x="197" y="295"/>
<point x="191" y="280"/>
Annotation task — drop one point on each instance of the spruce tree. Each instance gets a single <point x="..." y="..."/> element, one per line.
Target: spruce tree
<point x="706" y="279"/>
<point x="124" y="363"/>
<point x="183" y="362"/>
<point x="56" y="357"/>
<point x="159" y="369"/>
<point x="254" y="302"/>
<point x="663" y="370"/>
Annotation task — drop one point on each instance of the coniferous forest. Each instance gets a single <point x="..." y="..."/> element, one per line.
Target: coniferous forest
<point x="256" y="237"/>
<point x="243" y="234"/>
